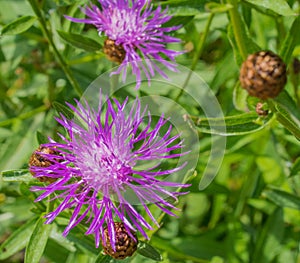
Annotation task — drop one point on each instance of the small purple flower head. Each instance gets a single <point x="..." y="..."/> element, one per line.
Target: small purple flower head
<point x="107" y="160"/>
<point x="134" y="32"/>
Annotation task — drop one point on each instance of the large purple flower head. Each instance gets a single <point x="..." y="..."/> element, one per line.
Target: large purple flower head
<point x="107" y="159"/>
<point x="134" y="32"/>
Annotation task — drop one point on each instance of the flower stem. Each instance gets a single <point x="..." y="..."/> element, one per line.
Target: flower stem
<point x="237" y="28"/>
<point x="198" y="53"/>
<point x="24" y="116"/>
<point x="59" y="57"/>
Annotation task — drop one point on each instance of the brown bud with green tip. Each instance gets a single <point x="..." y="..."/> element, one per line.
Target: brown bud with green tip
<point x="263" y="74"/>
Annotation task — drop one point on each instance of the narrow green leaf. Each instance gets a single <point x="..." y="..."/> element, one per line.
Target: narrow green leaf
<point x="60" y="108"/>
<point x="238" y="35"/>
<point x="291" y="40"/>
<point x="280" y="7"/>
<point x="295" y="168"/>
<point x="237" y="55"/>
<point x="286" y="101"/>
<point x="199" y="4"/>
<point x="41" y="138"/>
<point x="2" y="56"/>
<point x="268" y="243"/>
<point x="17" y="241"/>
<point x="37" y="241"/>
<point x="178" y="20"/>
<point x="148" y="251"/>
<point x="24" y="189"/>
<point x="288" y="120"/>
<point x="250" y="44"/>
<point x="183" y="11"/>
<point x="217" y="7"/>
<point x="21" y="175"/>
<point x="103" y="258"/>
<point x="240" y="98"/>
<point x="18" y="26"/>
<point x="283" y="199"/>
<point x="85" y="243"/>
<point x="80" y="41"/>
<point x="235" y="125"/>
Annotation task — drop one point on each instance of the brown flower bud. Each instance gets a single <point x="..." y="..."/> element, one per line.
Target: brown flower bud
<point x="115" y="53"/>
<point x="40" y="160"/>
<point x="263" y="74"/>
<point x="125" y="245"/>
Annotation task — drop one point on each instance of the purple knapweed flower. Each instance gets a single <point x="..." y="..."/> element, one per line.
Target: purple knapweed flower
<point x="134" y="33"/>
<point x="107" y="160"/>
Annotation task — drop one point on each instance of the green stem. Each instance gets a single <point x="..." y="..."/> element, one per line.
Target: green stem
<point x="23" y="116"/>
<point x="237" y="28"/>
<point x="198" y="53"/>
<point x="48" y="35"/>
<point x="280" y="30"/>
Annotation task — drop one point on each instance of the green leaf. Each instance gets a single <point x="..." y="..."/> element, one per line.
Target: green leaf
<point x="199" y="4"/>
<point x="183" y="11"/>
<point x="291" y="40"/>
<point x="283" y="199"/>
<point x="18" y="26"/>
<point x="41" y="138"/>
<point x="148" y="251"/>
<point x="17" y="241"/>
<point x="280" y="7"/>
<point x="85" y="243"/>
<point x="240" y="98"/>
<point x="24" y="189"/>
<point x="37" y="241"/>
<point x="286" y="101"/>
<point x="60" y="108"/>
<point x="21" y="175"/>
<point x="217" y="7"/>
<point x="178" y="20"/>
<point x="183" y="250"/>
<point x="80" y="41"/>
<point x="268" y="244"/>
<point x="103" y="259"/>
<point x="288" y="120"/>
<point x="239" y="36"/>
<point x="235" y="125"/>
<point x="295" y="168"/>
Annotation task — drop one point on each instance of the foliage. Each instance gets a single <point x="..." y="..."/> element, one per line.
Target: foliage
<point x="250" y="211"/>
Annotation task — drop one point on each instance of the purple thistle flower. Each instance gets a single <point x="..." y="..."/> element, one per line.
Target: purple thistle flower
<point x="97" y="168"/>
<point x="134" y="31"/>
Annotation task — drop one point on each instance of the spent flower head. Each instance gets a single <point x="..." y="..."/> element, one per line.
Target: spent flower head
<point x="108" y="159"/>
<point x="134" y="33"/>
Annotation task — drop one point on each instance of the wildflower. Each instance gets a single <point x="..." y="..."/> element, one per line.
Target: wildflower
<point x="101" y="168"/>
<point x="134" y="32"/>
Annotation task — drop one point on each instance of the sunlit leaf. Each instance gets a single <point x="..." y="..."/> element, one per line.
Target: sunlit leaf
<point x="17" y="241"/>
<point x="22" y="175"/>
<point x="235" y="125"/>
<point x="37" y="241"/>
<point x="280" y="7"/>
<point x="268" y="243"/>
<point x="291" y="40"/>
<point x="18" y="26"/>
